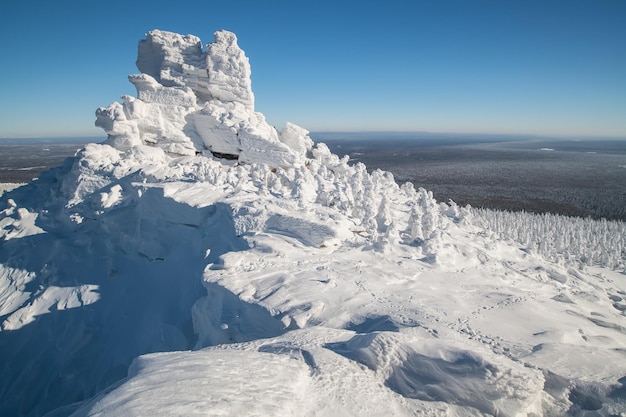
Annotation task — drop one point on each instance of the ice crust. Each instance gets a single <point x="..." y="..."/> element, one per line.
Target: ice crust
<point x="150" y="275"/>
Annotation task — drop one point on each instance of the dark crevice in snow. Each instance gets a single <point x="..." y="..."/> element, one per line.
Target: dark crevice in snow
<point x="374" y="324"/>
<point x="295" y="352"/>
<point x="227" y="156"/>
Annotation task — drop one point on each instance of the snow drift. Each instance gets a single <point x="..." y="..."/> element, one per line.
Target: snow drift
<point x="201" y="262"/>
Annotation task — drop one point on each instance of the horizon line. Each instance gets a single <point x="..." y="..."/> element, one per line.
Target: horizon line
<point x="372" y="131"/>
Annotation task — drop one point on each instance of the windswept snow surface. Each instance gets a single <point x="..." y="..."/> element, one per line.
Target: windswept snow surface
<point x="151" y="276"/>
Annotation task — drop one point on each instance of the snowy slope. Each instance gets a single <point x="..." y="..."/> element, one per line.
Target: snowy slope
<point x="199" y="262"/>
<point x="8" y="186"/>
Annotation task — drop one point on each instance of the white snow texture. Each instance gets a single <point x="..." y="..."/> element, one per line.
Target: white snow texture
<point x="198" y="262"/>
<point x="190" y="101"/>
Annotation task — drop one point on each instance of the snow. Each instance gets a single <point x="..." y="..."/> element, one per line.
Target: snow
<point x="8" y="186"/>
<point x="150" y="275"/>
<point x="191" y="101"/>
<point x="202" y="388"/>
<point x="225" y="62"/>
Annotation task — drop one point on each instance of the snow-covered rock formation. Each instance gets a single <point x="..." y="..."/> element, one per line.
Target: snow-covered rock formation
<point x="191" y="101"/>
<point x="154" y="275"/>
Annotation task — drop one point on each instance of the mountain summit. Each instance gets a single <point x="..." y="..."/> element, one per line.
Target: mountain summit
<point x="191" y="101"/>
<point x="201" y="262"/>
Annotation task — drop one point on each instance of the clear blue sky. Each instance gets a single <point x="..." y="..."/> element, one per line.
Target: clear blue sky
<point x="502" y="66"/>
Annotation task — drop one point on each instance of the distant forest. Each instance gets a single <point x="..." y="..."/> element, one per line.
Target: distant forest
<point x="585" y="178"/>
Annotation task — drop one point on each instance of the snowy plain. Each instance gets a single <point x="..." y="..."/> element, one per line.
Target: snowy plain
<point x="200" y="262"/>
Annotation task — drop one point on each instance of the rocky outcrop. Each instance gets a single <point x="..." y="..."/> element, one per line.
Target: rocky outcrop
<point x="192" y="101"/>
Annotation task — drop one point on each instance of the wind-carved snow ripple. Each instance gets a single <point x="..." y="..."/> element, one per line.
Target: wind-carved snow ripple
<point x="293" y="351"/>
<point x="430" y="372"/>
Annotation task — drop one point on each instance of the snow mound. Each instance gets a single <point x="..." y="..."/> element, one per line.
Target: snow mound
<point x="200" y="262"/>
<point x="202" y="389"/>
<point x="430" y="372"/>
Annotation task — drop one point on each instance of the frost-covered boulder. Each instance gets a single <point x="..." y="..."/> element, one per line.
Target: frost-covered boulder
<point x="174" y="60"/>
<point x="229" y="70"/>
<point x="191" y="100"/>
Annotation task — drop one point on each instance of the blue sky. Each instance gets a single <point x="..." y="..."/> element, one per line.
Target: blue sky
<point x="541" y="67"/>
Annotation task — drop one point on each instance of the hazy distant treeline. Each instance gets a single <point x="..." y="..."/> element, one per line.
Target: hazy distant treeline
<point x="573" y="178"/>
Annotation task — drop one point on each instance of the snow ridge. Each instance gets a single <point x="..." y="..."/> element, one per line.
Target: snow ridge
<point x="278" y="278"/>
